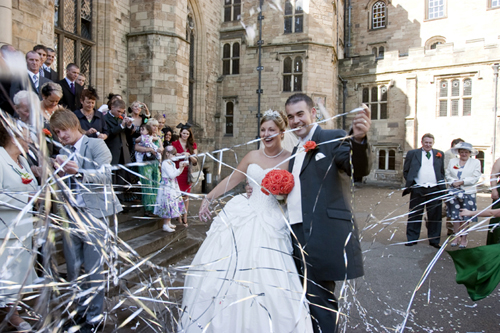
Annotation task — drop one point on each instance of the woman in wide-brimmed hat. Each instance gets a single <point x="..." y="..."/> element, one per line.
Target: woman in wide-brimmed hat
<point x="462" y="174"/>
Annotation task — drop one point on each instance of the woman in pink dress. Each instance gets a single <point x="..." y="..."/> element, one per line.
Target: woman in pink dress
<point x="187" y="147"/>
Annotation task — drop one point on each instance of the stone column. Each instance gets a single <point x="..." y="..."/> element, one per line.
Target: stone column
<point x="6" y="21"/>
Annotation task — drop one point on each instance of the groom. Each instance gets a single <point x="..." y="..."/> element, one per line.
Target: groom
<point x="319" y="205"/>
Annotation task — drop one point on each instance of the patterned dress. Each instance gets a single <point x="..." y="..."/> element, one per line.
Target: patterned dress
<point x="169" y="203"/>
<point x="150" y="185"/>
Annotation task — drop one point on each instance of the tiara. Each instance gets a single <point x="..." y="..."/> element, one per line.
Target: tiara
<point x="272" y="113"/>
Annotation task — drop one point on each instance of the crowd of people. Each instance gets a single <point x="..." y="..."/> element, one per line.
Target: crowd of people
<point x="79" y="143"/>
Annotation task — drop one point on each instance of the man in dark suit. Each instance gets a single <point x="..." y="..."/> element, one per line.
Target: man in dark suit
<point x="72" y="91"/>
<point x="118" y="129"/>
<point x="35" y="80"/>
<point x="318" y="206"/>
<point x="424" y="173"/>
<point x="42" y="52"/>
<point x="49" y="72"/>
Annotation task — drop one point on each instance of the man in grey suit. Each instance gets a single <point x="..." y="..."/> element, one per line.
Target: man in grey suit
<point x="49" y="72"/>
<point x="36" y="81"/>
<point x="92" y="202"/>
<point x="318" y="206"/>
<point x="423" y="170"/>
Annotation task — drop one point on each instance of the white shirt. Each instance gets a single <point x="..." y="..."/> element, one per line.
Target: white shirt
<point x="70" y="82"/>
<point x="47" y="68"/>
<point x="31" y="74"/>
<point x="78" y="197"/>
<point x="295" y="197"/>
<point x="426" y="176"/>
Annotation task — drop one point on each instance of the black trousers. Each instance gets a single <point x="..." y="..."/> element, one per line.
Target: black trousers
<point x="323" y="304"/>
<point x="425" y="197"/>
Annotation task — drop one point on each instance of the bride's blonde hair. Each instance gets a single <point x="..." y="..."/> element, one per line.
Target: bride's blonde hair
<point x="278" y="117"/>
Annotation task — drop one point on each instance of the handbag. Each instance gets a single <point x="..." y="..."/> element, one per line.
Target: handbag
<point x="195" y="173"/>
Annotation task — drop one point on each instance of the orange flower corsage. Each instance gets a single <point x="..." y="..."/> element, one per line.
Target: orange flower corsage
<point x="310" y="145"/>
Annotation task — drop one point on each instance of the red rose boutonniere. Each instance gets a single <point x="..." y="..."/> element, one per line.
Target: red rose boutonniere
<point x="25" y="177"/>
<point x="310" y="145"/>
<point x="456" y="167"/>
<point x="47" y="133"/>
<point x="438" y="155"/>
<point x="120" y="117"/>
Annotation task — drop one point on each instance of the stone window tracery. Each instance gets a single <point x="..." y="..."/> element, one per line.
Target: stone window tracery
<point x="73" y="35"/>
<point x="376" y="98"/>
<point x="294" y="17"/>
<point x="292" y="74"/>
<point x="455" y="97"/>
<point x="232" y="10"/>
<point x="379" y="15"/>
<point x="231" y="59"/>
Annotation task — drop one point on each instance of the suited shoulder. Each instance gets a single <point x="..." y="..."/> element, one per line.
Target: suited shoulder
<point x="332" y="133"/>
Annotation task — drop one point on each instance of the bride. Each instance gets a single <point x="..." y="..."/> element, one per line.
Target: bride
<point x="243" y="278"/>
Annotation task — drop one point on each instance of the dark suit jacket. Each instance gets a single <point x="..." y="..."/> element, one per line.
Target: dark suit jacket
<point x="5" y="101"/>
<point x="51" y="75"/>
<point x="326" y="213"/>
<point x="412" y="165"/>
<point x="114" y="140"/>
<point x="17" y="86"/>
<point x="70" y="100"/>
<point x="97" y="122"/>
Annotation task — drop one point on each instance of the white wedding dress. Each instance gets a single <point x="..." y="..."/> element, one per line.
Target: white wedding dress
<point x="243" y="278"/>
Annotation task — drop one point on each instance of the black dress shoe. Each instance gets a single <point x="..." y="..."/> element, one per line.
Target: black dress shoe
<point x="410" y="243"/>
<point x="435" y="245"/>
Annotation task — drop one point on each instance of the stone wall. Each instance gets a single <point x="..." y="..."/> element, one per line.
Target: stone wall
<point x="413" y="98"/>
<point x="407" y="26"/>
<point x="32" y="23"/>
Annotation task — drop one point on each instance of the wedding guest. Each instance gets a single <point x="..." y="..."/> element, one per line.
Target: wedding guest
<point x="119" y="130"/>
<point x="161" y="125"/>
<point x="51" y="94"/>
<point x="92" y="122"/>
<point x="33" y="64"/>
<point x="448" y="155"/>
<point x="81" y="80"/>
<point x="167" y="136"/>
<point x="169" y="203"/>
<point x="16" y="260"/>
<point x="140" y="114"/>
<point x="493" y="236"/>
<point x="71" y="89"/>
<point x="150" y="171"/>
<point x="105" y="107"/>
<point x="185" y="146"/>
<point x="423" y="170"/>
<point x="49" y="72"/>
<point x="462" y="174"/>
<point x="84" y="240"/>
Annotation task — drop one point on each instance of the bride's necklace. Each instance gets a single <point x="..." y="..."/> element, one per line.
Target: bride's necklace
<point x="274" y="156"/>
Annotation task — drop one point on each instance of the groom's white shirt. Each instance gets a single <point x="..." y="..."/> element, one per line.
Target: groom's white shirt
<point x="295" y="197"/>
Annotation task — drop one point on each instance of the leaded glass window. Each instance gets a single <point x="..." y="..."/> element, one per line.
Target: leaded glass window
<point x="294" y="17"/>
<point x="73" y="38"/>
<point x="455" y="95"/>
<point x="292" y="74"/>
<point x="378" y="15"/>
<point x="435" y="9"/>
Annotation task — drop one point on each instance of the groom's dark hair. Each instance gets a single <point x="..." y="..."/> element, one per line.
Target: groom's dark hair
<point x="299" y="97"/>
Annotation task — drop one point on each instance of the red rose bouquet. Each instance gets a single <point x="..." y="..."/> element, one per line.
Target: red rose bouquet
<point x="279" y="183"/>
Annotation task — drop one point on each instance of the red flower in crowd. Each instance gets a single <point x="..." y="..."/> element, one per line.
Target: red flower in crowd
<point x="120" y="117"/>
<point x="47" y="133"/>
<point x="438" y="155"/>
<point x="310" y="145"/>
<point x="456" y="167"/>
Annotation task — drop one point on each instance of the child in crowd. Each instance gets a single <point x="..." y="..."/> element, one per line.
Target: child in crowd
<point x="146" y="140"/>
<point x="169" y="203"/>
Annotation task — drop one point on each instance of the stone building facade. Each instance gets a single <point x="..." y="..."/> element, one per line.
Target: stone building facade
<point x="197" y="61"/>
<point x="423" y="66"/>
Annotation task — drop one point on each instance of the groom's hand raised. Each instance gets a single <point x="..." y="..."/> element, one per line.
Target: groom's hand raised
<point x="361" y="124"/>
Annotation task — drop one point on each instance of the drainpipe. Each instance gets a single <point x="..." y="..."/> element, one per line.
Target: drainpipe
<point x="495" y="74"/>
<point x="6" y="21"/>
<point x="344" y="99"/>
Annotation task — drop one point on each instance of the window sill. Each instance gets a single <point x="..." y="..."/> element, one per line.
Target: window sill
<point x="228" y="135"/>
<point x="387" y="172"/>
<point x="435" y="19"/>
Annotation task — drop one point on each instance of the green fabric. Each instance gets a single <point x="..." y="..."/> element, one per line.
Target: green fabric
<point x="478" y="269"/>
<point x="150" y="185"/>
<point x="428" y="155"/>
<point x="494" y="236"/>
